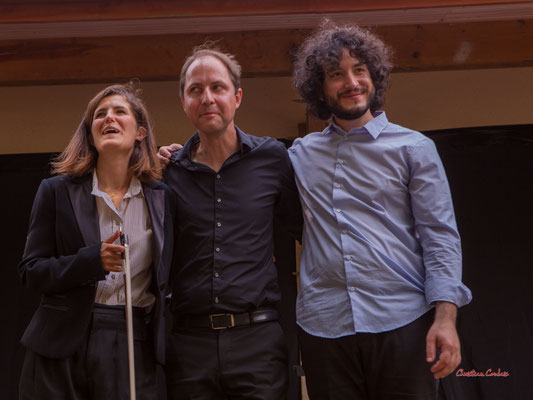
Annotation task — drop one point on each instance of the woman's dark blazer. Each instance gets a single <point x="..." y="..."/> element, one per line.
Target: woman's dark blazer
<point x="62" y="262"/>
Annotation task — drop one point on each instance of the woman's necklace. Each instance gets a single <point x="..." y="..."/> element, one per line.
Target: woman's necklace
<point x="116" y="193"/>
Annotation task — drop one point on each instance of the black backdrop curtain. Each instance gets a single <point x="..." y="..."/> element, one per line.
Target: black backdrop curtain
<point x="490" y="172"/>
<point x="21" y="175"/>
<point x="491" y="176"/>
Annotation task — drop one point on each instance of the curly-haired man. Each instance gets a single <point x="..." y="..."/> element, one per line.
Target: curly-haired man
<point x="381" y="264"/>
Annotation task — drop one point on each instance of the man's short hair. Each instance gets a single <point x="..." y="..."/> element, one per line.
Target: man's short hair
<point x="210" y="49"/>
<point x="323" y="50"/>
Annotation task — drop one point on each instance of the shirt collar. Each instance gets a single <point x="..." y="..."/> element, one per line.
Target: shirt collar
<point x="374" y="127"/>
<point x="133" y="190"/>
<point x="184" y="155"/>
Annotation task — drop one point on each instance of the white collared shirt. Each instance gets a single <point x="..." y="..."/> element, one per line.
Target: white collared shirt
<point x="133" y="216"/>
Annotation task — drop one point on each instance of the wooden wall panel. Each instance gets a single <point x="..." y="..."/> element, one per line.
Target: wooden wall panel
<point x="461" y="46"/>
<point x="261" y="53"/>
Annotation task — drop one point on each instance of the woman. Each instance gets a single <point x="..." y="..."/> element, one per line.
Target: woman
<point x="76" y="342"/>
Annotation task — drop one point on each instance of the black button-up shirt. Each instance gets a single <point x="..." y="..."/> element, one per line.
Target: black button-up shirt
<point x="224" y="251"/>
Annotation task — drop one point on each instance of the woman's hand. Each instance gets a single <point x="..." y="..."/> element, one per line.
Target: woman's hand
<point x="111" y="254"/>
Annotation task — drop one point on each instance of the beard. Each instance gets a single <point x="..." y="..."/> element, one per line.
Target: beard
<point x="349" y="113"/>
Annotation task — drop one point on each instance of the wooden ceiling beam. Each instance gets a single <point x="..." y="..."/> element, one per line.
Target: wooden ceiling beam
<point x="12" y="11"/>
<point x="167" y="24"/>
<point x="423" y="47"/>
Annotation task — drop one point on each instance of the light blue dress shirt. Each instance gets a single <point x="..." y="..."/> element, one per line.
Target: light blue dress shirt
<point x="380" y="242"/>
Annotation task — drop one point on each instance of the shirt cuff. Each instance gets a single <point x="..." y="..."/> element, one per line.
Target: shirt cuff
<point x="447" y="289"/>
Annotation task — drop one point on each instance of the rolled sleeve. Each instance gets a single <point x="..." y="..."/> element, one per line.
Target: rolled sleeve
<point x="447" y="289"/>
<point x="435" y="226"/>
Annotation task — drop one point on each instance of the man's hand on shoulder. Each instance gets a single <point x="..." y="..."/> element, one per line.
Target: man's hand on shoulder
<point x="443" y="335"/>
<point x="165" y="152"/>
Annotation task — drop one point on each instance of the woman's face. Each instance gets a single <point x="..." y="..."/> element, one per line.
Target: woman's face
<point x="114" y="128"/>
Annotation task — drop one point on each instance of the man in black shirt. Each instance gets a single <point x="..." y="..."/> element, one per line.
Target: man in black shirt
<point x="226" y="341"/>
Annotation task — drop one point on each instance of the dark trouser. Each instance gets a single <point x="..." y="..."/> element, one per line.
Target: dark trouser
<point x="99" y="370"/>
<point x="370" y="366"/>
<point x="244" y="362"/>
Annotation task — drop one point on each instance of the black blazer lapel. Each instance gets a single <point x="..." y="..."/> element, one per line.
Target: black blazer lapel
<point x="155" y="199"/>
<point x="84" y="207"/>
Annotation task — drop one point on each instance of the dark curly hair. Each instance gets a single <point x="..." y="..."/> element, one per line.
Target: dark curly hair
<point x="323" y="49"/>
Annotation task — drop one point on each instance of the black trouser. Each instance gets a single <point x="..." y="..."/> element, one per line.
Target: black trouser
<point x="99" y="370"/>
<point x="370" y="366"/>
<point x="245" y="362"/>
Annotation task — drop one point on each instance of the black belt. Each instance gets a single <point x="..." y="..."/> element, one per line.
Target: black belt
<point x="224" y="321"/>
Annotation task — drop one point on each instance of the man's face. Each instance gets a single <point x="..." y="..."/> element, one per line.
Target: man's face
<point x="348" y="89"/>
<point x="209" y="97"/>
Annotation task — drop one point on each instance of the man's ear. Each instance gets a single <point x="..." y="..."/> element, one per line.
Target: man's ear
<point x="238" y="97"/>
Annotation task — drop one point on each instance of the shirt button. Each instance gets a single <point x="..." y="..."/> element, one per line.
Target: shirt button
<point x="216" y="275"/>
<point x="351" y="289"/>
<point x="345" y="231"/>
<point x="341" y="161"/>
<point x="219" y="224"/>
<point x="218" y="176"/>
<point x="348" y="257"/>
<point x="216" y="300"/>
<point x="337" y="185"/>
<point x="219" y="200"/>
<point x="113" y="277"/>
<point x="337" y="210"/>
<point x="217" y="250"/>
